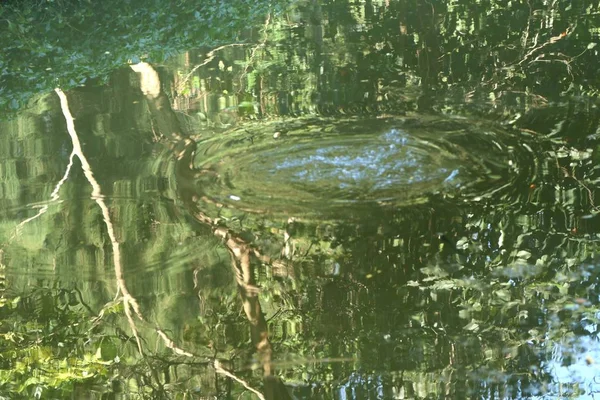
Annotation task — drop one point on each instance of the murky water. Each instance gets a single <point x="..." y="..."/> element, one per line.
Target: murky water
<point x="335" y="210"/>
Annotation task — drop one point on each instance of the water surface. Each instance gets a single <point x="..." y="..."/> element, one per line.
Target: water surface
<point x="349" y="200"/>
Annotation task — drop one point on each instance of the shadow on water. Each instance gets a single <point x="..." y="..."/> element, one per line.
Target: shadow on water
<point x="347" y="206"/>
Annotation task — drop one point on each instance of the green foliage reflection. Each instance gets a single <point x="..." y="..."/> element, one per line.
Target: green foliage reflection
<point x="49" y="346"/>
<point x="48" y="44"/>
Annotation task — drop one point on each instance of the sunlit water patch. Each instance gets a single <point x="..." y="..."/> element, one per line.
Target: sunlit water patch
<point x="392" y="160"/>
<point x="324" y="167"/>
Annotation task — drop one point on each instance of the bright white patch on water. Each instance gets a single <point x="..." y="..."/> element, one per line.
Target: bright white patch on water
<point x="391" y="159"/>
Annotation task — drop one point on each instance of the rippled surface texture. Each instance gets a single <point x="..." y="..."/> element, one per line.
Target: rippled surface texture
<point x="326" y="166"/>
<point x="327" y="200"/>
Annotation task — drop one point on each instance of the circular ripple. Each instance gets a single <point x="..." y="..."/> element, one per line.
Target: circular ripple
<point x="321" y="167"/>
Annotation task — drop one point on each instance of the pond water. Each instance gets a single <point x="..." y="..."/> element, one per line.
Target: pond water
<point x="338" y="200"/>
<point x="355" y="161"/>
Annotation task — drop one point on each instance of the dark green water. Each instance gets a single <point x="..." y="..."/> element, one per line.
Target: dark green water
<point x="343" y="200"/>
